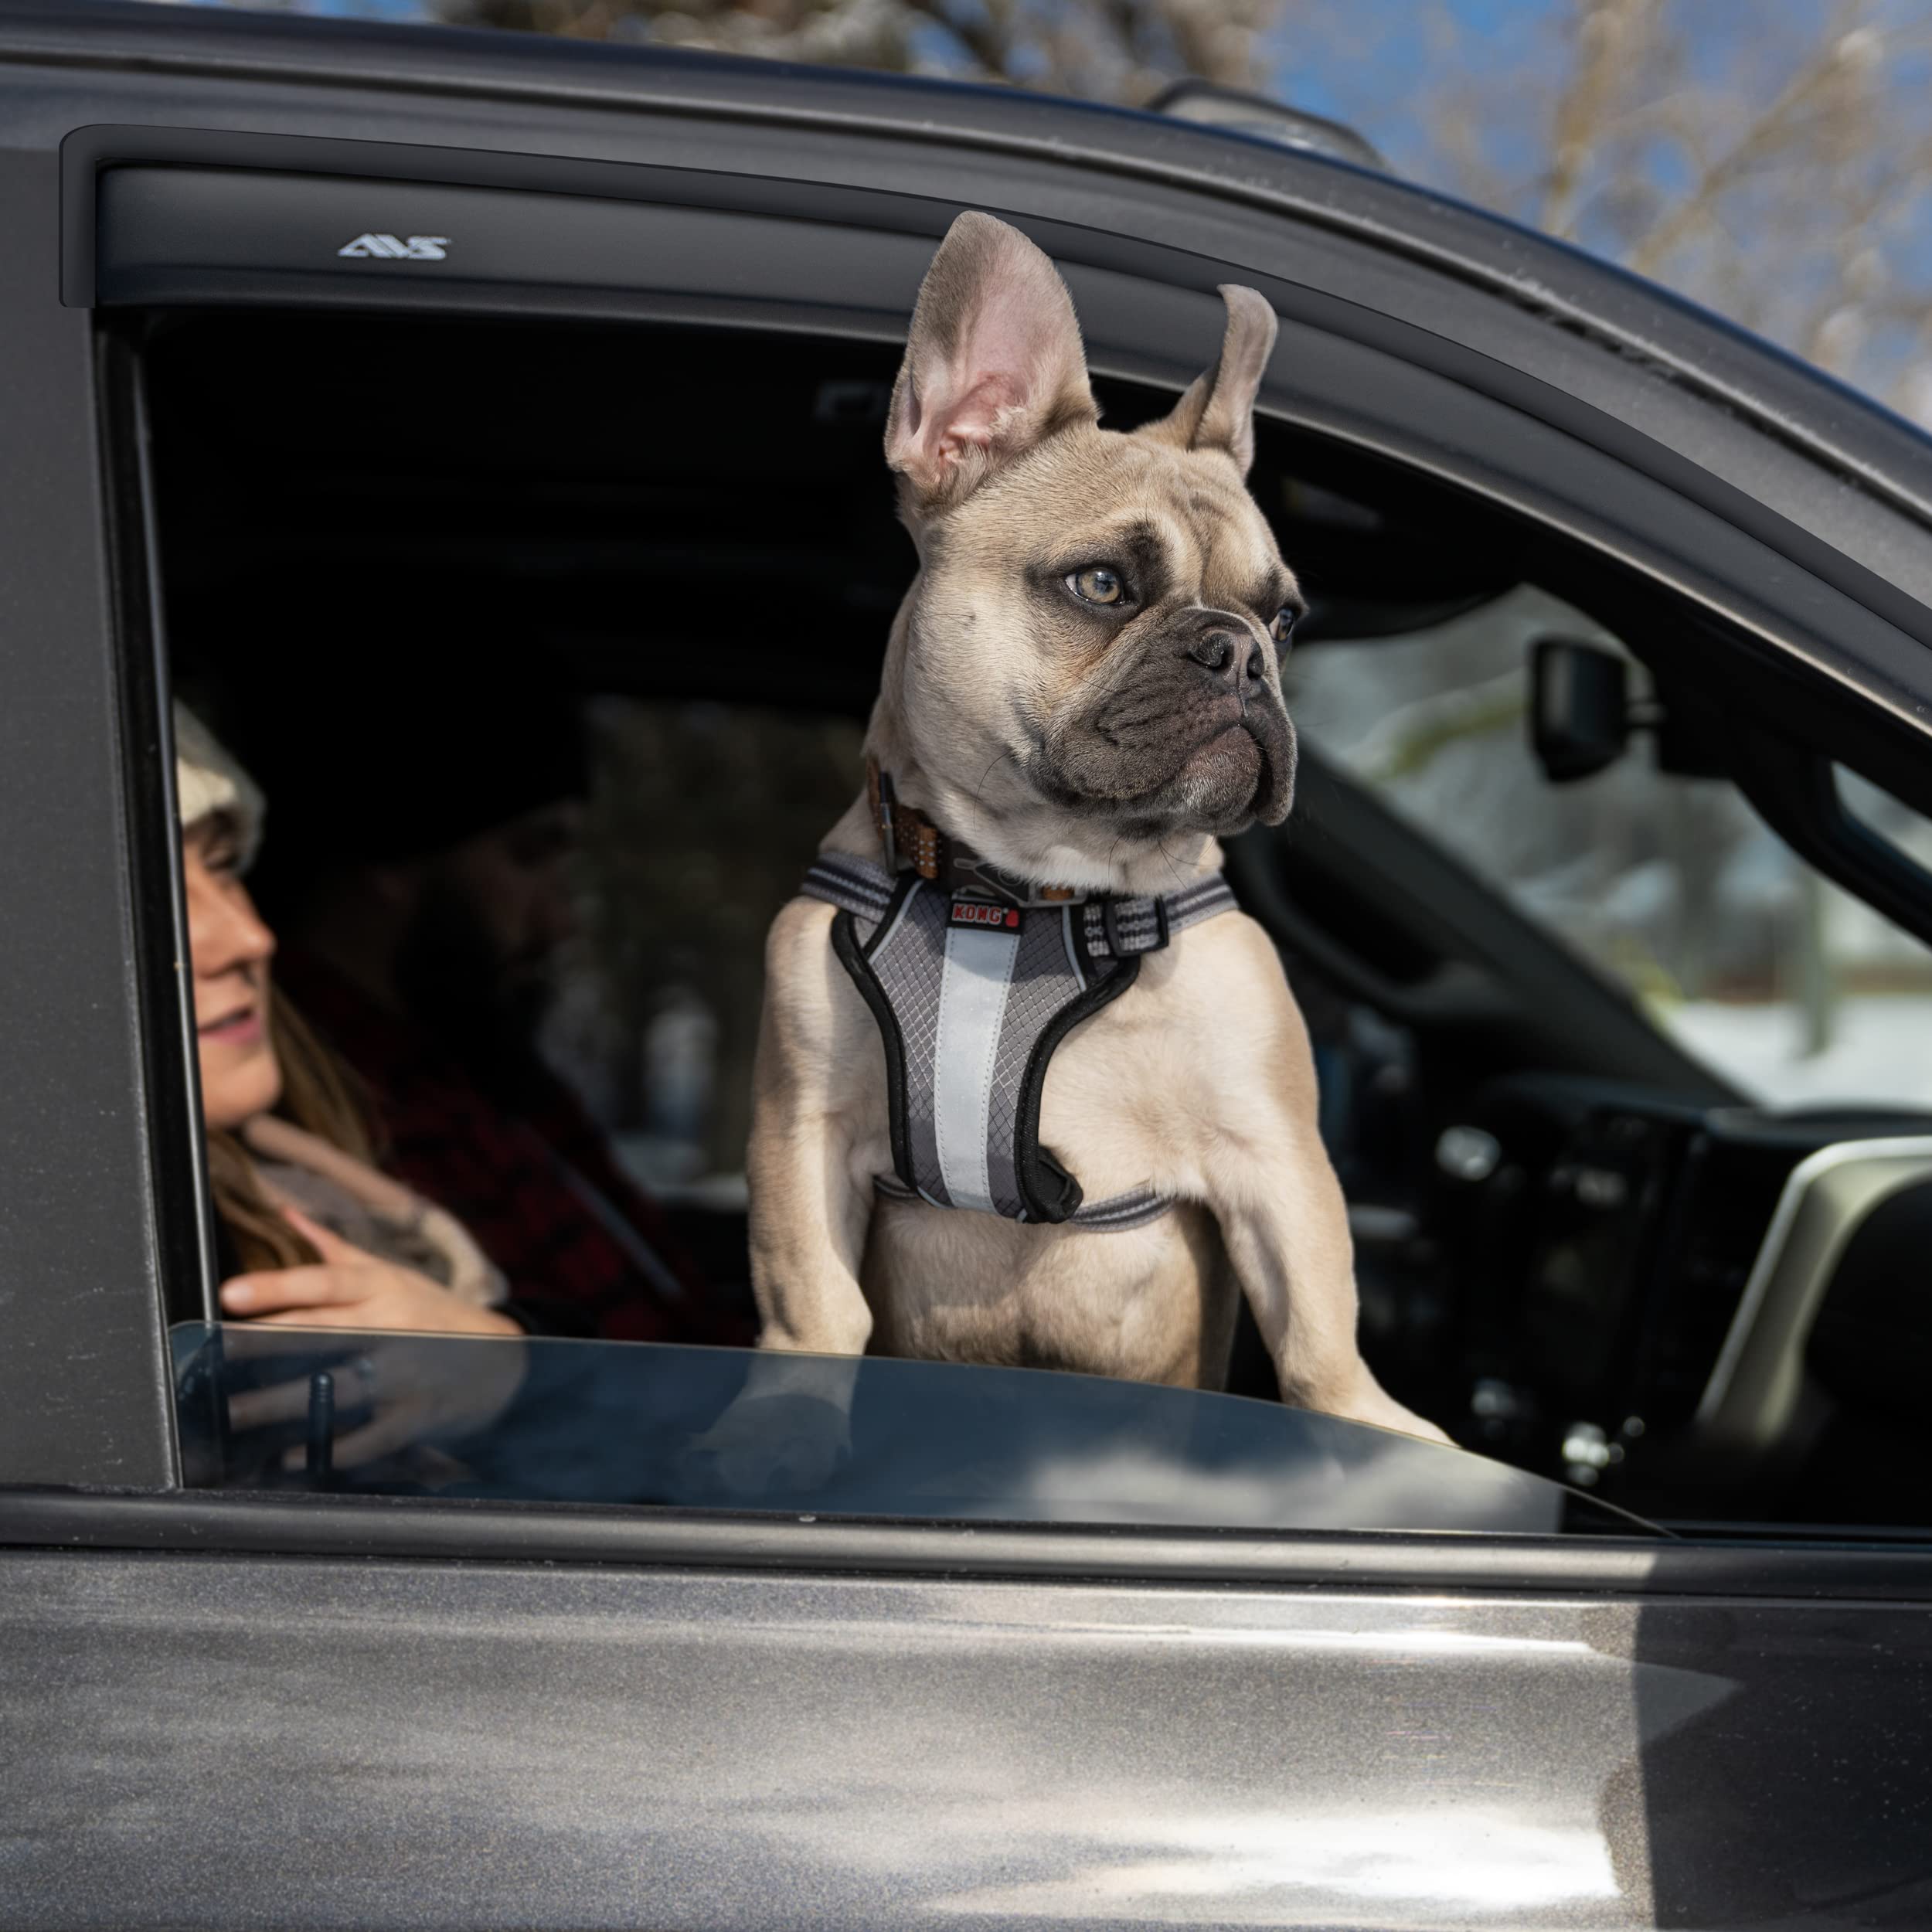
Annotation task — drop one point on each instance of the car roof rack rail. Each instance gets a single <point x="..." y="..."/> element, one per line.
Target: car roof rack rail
<point x="1210" y="104"/>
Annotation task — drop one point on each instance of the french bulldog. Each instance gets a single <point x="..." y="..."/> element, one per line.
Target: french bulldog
<point x="1082" y="689"/>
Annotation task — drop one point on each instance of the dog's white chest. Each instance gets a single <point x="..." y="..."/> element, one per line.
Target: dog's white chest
<point x="1153" y="1303"/>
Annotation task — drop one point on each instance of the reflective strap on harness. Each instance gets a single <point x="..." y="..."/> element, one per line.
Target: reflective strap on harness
<point x="973" y="994"/>
<point x="856" y="885"/>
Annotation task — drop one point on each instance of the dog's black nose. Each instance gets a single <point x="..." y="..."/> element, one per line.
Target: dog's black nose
<point x="1216" y="650"/>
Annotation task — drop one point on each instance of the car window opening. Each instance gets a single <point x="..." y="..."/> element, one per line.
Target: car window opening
<point x="551" y="685"/>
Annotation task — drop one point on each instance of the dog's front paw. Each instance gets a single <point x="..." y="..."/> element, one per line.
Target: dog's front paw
<point x="1386" y="1413"/>
<point x="767" y="1445"/>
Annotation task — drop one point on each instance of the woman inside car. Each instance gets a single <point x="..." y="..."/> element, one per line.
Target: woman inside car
<point x="312" y="1234"/>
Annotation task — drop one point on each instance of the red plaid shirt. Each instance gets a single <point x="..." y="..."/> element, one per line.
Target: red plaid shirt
<point x="584" y="1250"/>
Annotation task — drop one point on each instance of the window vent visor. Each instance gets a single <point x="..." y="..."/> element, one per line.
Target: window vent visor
<point x="170" y="235"/>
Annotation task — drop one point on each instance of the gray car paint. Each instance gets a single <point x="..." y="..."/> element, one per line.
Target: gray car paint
<point x="77" y="1226"/>
<point x="225" y="1742"/>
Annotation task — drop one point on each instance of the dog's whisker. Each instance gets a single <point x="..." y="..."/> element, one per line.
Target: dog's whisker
<point x="1005" y="751"/>
<point x="1176" y="870"/>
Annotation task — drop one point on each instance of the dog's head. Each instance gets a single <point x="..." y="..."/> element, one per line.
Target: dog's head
<point x="1087" y="670"/>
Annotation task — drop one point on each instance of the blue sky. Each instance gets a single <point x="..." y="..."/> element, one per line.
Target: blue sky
<point x="1317" y="79"/>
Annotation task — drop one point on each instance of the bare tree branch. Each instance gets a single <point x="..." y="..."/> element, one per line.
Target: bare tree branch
<point x="1817" y="88"/>
<point x="1611" y="35"/>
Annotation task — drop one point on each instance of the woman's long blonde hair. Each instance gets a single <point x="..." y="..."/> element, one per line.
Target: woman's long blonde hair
<point x="321" y="1096"/>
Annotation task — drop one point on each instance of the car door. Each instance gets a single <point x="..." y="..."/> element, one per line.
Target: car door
<point x="229" y="1708"/>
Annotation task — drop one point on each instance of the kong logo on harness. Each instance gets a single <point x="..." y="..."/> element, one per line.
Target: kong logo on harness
<point x="980" y="911"/>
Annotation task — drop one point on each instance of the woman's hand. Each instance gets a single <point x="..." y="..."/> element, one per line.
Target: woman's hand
<point x="411" y="1399"/>
<point x="395" y="1396"/>
<point x="351" y="1288"/>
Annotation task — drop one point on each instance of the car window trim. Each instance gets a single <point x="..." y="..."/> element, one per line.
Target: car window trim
<point x="414" y="1530"/>
<point x="183" y="1204"/>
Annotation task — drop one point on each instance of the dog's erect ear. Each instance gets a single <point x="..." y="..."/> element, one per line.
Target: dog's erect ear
<point x="1217" y="412"/>
<point x="993" y="364"/>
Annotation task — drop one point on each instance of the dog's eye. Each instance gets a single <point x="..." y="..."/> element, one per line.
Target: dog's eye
<point x="1283" y="627"/>
<point x="1096" y="584"/>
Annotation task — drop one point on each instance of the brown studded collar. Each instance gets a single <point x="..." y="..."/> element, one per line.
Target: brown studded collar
<point x="912" y="842"/>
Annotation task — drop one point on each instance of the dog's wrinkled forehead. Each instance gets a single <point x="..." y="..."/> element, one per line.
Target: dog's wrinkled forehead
<point x="1182" y="521"/>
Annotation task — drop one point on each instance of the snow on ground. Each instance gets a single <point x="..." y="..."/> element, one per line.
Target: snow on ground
<point x="1880" y="1050"/>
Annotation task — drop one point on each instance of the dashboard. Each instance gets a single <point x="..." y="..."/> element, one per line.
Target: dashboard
<point x="1671" y="1304"/>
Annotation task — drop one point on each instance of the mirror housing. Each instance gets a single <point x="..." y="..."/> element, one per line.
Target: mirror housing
<point x="1579" y="708"/>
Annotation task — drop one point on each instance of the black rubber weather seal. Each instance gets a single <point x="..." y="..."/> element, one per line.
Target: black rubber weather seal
<point x="409" y="1529"/>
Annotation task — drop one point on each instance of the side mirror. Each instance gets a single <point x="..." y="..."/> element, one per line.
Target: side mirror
<point x="1579" y="708"/>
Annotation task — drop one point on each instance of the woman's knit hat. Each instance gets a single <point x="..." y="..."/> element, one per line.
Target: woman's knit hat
<point x="208" y="780"/>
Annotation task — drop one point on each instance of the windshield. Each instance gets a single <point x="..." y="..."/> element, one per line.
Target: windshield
<point x="636" y="1423"/>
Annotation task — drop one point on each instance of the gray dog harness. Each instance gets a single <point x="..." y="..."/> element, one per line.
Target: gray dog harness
<point x="974" y="978"/>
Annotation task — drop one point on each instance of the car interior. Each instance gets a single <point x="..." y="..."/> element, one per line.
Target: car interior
<point x="1558" y="887"/>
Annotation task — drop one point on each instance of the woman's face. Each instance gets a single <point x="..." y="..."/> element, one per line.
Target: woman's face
<point x="230" y="947"/>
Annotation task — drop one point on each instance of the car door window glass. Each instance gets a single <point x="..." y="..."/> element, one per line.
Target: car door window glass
<point x="555" y="1421"/>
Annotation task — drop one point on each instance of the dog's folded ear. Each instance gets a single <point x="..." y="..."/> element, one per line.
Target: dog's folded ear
<point x="1217" y="410"/>
<point x="993" y="364"/>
